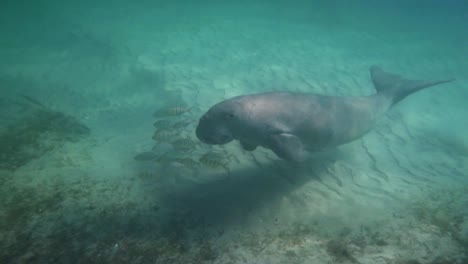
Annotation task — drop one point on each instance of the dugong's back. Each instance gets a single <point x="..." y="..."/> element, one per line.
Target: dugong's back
<point x="319" y="121"/>
<point x="293" y="124"/>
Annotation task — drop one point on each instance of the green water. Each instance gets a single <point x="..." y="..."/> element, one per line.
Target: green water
<point x="99" y="161"/>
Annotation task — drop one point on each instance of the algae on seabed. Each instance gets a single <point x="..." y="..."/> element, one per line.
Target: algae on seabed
<point x="36" y="132"/>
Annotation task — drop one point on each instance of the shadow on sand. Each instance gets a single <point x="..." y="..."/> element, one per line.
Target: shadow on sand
<point x="219" y="203"/>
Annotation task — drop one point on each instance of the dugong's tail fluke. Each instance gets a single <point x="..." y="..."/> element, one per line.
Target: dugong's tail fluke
<point x="397" y="87"/>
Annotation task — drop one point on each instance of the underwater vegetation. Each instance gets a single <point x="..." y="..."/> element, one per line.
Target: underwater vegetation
<point x="438" y="260"/>
<point x="340" y="251"/>
<point x="20" y="207"/>
<point x="81" y="222"/>
<point x="445" y="209"/>
<point x="34" y="133"/>
<point x="86" y="221"/>
<point x="52" y="221"/>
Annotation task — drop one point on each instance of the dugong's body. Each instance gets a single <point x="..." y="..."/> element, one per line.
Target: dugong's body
<point x="293" y="125"/>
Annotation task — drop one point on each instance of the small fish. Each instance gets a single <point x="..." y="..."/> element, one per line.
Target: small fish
<point x="146" y="156"/>
<point x="162" y="124"/>
<point x="215" y="161"/>
<point x="184" y="144"/>
<point x="163" y="148"/>
<point x="181" y="124"/>
<point x="163" y="134"/>
<point x="164" y="160"/>
<point x="172" y="111"/>
<point x="188" y="162"/>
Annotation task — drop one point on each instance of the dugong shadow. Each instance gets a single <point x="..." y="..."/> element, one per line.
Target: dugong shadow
<point x="227" y="200"/>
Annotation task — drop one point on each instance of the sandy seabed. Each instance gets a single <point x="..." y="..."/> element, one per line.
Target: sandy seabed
<point x="397" y="195"/>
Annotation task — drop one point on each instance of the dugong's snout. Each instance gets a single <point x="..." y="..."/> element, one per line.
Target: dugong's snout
<point x="212" y="131"/>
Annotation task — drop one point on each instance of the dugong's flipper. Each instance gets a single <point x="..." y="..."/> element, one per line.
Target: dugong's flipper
<point x="396" y="87"/>
<point x="288" y="147"/>
<point x="248" y="146"/>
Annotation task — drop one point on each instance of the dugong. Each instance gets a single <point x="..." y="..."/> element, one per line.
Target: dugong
<point x="293" y="125"/>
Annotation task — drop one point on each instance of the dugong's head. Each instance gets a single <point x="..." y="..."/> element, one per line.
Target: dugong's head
<point x="216" y="126"/>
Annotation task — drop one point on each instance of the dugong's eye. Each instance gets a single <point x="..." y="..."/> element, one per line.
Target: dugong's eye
<point x="229" y="116"/>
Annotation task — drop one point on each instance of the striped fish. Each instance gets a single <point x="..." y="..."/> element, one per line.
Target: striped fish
<point x="164" y="160"/>
<point x="162" y="124"/>
<point x="215" y="161"/>
<point x="163" y="134"/>
<point x="188" y="162"/>
<point x="184" y="144"/>
<point x="171" y="111"/>
<point x="181" y="124"/>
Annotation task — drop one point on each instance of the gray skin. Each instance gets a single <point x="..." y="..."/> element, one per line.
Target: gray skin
<point x="293" y="125"/>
